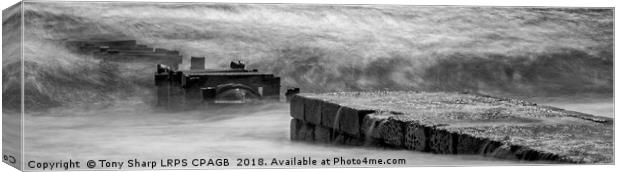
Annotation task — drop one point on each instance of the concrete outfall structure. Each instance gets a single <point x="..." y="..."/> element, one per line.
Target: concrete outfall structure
<point x="188" y="88"/>
<point x="196" y="86"/>
<point x="126" y="51"/>
<point x="453" y="123"/>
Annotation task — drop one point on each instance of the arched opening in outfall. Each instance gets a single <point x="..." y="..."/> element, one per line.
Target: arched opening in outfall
<point x="235" y="93"/>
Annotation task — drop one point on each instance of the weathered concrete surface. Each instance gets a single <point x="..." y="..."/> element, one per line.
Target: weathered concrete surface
<point x="453" y="123"/>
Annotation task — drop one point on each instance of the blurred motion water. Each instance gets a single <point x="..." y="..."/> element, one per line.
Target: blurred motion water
<point x="590" y="104"/>
<point x="131" y="131"/>
<point x="82" y="107"/>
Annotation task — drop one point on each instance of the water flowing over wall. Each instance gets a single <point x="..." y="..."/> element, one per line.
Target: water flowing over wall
<point x="452" y="123"/>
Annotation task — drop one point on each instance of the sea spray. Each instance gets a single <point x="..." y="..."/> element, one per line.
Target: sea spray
<point x="349" y="52"/>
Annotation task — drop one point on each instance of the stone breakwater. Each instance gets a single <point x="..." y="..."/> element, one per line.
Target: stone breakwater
<point x="452" y="123"/>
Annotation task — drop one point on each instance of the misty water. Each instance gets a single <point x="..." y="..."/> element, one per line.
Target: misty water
<point x="595" y="105"/>
<point x="132" y="129"/>
<point x="316" y="48"/>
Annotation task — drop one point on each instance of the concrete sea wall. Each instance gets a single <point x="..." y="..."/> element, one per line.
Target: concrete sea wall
<point x="452" y="123"/>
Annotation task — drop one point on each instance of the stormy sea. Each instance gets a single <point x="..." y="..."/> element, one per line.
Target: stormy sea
<point x="81" y="107"/>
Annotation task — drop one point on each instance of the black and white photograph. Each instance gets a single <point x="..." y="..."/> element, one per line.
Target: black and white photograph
<point x="139" y="85"/>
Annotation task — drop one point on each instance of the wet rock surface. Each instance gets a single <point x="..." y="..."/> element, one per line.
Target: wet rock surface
<point x="453" y="123"/>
